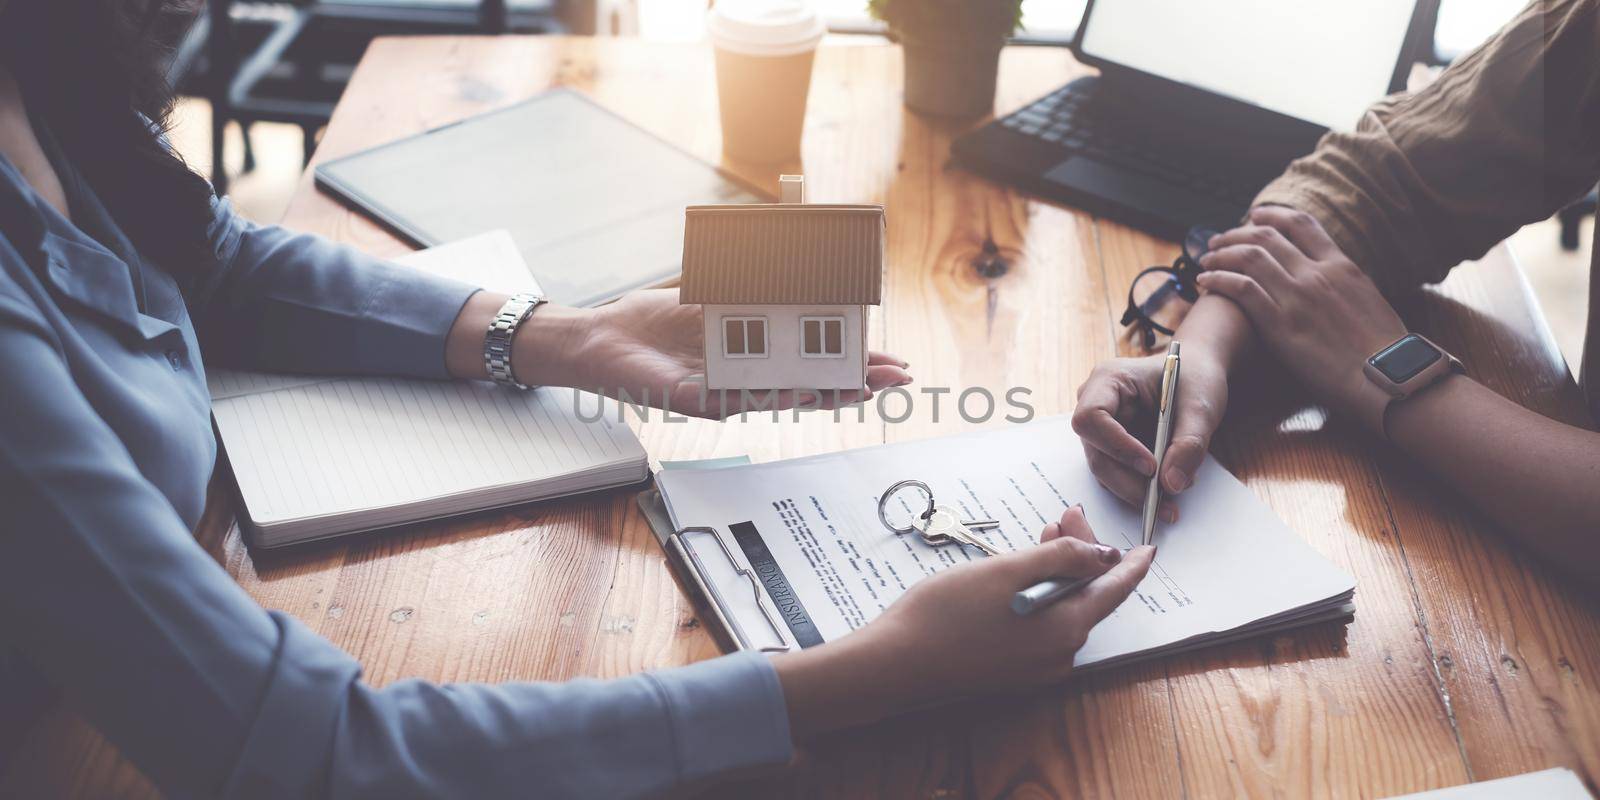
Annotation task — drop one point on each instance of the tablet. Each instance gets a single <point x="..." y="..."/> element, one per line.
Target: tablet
<point x="594" y="203"/>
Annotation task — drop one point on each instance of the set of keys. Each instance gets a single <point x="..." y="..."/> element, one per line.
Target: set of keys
<point x="938" y="525"/>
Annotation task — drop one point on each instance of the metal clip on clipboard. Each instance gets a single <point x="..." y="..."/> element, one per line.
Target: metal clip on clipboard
<point x="708" y="589"/>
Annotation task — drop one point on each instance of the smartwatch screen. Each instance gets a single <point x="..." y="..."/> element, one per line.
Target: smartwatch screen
<point x="1401" y="361"/>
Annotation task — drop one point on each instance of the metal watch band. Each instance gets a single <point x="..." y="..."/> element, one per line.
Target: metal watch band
<point x="502" y="329"/>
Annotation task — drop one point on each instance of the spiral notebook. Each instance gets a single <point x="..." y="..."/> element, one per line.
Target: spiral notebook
<point x="791" y="554"/>
<point x="317" y="456"/>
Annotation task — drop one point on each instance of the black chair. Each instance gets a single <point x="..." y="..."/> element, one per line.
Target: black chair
<point x="282" y="62"/>
<point x="1571" y="219"/>
<point x="186" y="31"/>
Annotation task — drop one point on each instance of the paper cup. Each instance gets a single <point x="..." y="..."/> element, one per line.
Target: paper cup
<point x="764" y="50"/>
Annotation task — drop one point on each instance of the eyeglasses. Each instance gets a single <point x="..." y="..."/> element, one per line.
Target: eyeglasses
<point x="1161" y="296"/>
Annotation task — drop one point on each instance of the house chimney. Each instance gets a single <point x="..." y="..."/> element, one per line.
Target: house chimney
<point x="791" y="188"/>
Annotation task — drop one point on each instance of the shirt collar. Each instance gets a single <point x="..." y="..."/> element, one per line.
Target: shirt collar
<point x="61" y="252"/>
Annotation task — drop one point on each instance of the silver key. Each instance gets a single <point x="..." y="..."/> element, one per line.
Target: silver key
<point x="944" y="526"/>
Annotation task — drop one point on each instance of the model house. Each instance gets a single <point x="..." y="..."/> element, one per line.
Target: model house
<point x="785" y="290"/>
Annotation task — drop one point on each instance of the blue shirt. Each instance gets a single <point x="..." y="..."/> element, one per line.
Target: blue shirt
<point x="106" y="448"/>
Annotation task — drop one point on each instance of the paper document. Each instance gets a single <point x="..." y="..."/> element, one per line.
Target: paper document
<point x="809" y="530"/>
<point x="1549" y="784"/>
<point x="320" y="455"/>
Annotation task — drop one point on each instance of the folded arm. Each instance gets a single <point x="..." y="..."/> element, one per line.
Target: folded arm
<point x="1531" y="474"/>
<point x="1504" y="137"/>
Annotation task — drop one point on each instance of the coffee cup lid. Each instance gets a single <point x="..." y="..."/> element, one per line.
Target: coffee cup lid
<point x="765" y="27"/>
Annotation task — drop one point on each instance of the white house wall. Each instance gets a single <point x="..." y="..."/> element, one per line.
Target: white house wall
<point x="784" y="368"/>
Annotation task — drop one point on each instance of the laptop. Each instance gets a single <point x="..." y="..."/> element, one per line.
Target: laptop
<point x="1197" y="104"/>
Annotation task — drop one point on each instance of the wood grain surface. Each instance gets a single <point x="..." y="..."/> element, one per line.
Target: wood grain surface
<point x="1466" y="661"/>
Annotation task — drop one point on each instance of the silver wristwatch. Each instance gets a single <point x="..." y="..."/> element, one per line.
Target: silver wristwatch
<point x="502" y="329"/>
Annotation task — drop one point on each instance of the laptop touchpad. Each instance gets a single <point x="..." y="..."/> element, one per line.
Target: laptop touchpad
<point x="1141" y="192"/>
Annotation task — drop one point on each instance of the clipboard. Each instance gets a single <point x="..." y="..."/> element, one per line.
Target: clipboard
<point x="685" y="558"/>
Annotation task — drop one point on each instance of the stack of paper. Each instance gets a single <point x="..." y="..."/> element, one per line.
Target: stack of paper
<point x="809" y="530"/>
<point x="316" y="456"/>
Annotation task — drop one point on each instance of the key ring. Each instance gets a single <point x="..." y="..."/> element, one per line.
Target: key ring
<point x="883" y="505"/>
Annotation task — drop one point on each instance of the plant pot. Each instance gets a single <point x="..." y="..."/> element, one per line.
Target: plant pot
<point x="951" y="77"/>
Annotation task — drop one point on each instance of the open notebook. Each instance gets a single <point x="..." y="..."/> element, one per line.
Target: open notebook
<point x="318" y="456"/>
<point x="804" y="559"/>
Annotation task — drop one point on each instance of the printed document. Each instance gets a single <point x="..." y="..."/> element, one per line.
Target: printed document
<point x="809" y="530"/>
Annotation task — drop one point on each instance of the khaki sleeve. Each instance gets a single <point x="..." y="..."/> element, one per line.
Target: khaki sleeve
<point x="1506" y="136"/>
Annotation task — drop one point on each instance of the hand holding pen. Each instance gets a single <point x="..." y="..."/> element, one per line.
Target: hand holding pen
<point x="1041" y="594"/>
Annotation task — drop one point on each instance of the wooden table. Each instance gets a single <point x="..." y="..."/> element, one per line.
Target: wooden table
<point x="1466" y="661"/>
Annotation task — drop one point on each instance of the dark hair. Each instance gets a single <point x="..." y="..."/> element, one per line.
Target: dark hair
<point x="95" y="72"/>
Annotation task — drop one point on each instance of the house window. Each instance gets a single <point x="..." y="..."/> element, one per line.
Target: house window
<point x="744" y="337"/>
<point x="822" y="337"/>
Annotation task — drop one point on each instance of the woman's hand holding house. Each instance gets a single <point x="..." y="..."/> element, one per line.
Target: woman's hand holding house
<point x="648" y="348"/>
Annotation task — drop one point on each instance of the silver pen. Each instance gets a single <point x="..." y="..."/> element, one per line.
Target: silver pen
<point x="1169" y="392"/>
<point x="1044" y="593"/>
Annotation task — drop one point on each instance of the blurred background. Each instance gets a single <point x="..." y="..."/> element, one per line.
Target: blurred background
<point x="259" y="86"/>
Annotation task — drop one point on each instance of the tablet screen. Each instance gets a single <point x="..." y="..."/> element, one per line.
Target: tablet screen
<point x="594" y="203"/>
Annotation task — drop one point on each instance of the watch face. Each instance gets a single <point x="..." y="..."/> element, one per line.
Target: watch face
<point x="1401" y="361"/>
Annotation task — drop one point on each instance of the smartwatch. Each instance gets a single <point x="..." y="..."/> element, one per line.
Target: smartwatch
<point x="1400" y="370"/>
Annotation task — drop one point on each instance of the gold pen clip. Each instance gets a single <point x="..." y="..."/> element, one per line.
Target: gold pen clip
<point x="1169" y="376"/>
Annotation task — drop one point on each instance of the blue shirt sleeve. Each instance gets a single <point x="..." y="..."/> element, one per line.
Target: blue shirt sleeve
<point x="293" y="302"/>
<point x="103" y="589"/>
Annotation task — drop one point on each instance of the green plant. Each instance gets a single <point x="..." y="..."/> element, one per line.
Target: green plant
<point x="949" y="15"/>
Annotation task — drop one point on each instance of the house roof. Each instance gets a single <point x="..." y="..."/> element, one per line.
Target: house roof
<point x="783" y="254"/>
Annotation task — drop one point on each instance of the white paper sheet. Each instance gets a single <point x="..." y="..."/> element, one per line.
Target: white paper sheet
<point x="1550" y="784"/>
<point x="1227" y="564"/>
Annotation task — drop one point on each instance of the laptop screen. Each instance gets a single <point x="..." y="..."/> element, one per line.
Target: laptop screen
<point x="1322" y="61"/>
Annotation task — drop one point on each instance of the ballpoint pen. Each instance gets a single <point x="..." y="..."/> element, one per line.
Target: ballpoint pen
<point x="1046" y="592"/>
<point x="1169" y="393"/>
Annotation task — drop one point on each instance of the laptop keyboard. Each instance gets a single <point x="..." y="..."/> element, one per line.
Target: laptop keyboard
<point x="1067" y="119"/>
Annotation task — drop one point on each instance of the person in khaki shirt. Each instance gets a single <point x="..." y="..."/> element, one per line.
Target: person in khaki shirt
<point x="1506" y="136"/>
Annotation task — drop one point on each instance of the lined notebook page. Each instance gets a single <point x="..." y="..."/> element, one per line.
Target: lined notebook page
<point x="347" y="446"/>
<point x="388" y="450"/>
